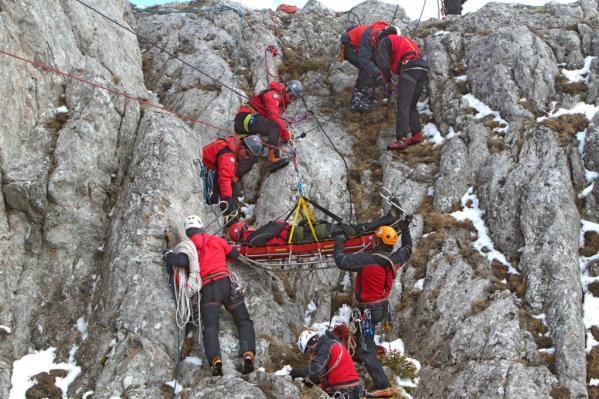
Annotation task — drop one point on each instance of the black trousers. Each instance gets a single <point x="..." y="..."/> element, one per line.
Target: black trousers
<point x="366" y="79"/>
<point x="214" y="295"/>
<point x="367" y="346"/>
<point x="411" y="85"/>
<point x="258" y="125"/>
<point x="453" y="7"/>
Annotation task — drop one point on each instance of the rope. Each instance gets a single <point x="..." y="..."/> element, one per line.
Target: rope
<point x="347" y="181"/>
<point x="140" y="100"/>
<point x="419" y="18"/>
<point x="237" y="51"/>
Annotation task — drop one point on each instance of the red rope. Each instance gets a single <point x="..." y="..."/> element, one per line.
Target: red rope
<point x="140" y="100"/>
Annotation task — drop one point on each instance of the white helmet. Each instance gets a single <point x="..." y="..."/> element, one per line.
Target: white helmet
<point x="193" y="221"/>
<point x="397" y="29"/>
<point x="305" y="337"/>
<point x="255" y="145"/>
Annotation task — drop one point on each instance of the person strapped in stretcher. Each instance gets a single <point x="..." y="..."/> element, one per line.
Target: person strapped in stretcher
<point x="278" y="232"/>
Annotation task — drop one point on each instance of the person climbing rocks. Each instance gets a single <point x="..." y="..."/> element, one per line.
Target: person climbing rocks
<point x="374" y="281"/>
<point x="331" y="365"/>
<point x="230" y="159"/>
<point x="277" y="232"/>
<point x="263" y="114"/>
<point x="219" y="287"/>
<point x="400" y="56"/>
<point x="452" y="7"/>
<point x="358" y="46"/>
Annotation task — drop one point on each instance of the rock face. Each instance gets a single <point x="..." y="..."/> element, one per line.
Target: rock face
<point x="90" y="180"/>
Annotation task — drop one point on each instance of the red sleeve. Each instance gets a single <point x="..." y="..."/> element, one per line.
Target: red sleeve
<point x="225" y="245"/>
<point x="226" y="173"/>
<point x="272" y="102"/>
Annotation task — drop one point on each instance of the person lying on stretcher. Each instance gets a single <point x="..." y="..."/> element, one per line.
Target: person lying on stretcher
<point x="277" y="232"/>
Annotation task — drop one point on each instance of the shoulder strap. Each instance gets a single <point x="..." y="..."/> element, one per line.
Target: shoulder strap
<point x="385" y="257"/>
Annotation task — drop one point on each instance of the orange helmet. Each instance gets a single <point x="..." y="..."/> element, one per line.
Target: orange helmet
<point x="236" y="230"/>
<point x="387" y="234"/>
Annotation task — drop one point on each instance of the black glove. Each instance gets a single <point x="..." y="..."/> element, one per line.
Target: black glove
<point x="231" y="205"/>
<point x="295" y="373"/>
<point x="308" y="383"/>
<point x="165" y="253"/>
<point x="405" y="223"/>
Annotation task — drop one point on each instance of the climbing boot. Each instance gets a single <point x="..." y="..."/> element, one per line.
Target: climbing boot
<point x="399" y="144"/>
<point x="216" y="366"/>
<point x="276" y="163"/>
<point x="360" y="102"/>
<point x="416" y="138"/>
<point x="394" y="210"/>
<point x="248" y="363"/>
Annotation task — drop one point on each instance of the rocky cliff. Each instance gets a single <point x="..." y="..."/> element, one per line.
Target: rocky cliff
<point x="499" y="299"/>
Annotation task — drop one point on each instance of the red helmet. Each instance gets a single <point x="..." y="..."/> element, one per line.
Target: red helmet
<point x="236" y="230"/>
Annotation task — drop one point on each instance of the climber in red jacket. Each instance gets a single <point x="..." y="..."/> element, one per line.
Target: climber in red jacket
<point x="217" y="289"/>
<point x="399" y="55"/>
<point x="374" y="281"/>
<point x="231" y="158"/>
<point x="263" y="114"/>
<point x="358" y="46"/>
<point x="332" y="365"/>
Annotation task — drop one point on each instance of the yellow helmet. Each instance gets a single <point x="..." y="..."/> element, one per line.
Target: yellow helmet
<point x="387" y="234"/>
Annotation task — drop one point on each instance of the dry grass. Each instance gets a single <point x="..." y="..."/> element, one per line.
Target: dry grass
<point x="479" y="305"/>
<point x="570" y="87"/>
<point x="495" y="144"/>
<point x="500" y="271"/>
<point x="417" y="154"/>
<point x="420" y="253"/>
<point x="567" y="126"/>
<point x="295" y="64"/>
<point x="44" y="388"/>
<point x="591" y="244"/>
<point x="593" y="392"/>
<point x="280" y="355"/>
<point x="58" y="122"/>
<point x="548" y="360"/>
<point x="594" y="288"/>
<point x="517" y="284"/>
<point x="400" y="365"/>
<point x="559" y="392"/>
<point x="595" y="332"/>
<point x="593" y="363"/>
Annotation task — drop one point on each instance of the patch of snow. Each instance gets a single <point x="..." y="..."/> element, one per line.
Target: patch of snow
<point x="590" y="317"/>
<point x="5" y="329"/>
<point x="483" y="110"/>
<point x="550" y="351"/>
<point x="541" y="317"/>
<point x="586" y="191"/>
<point x="394" y="346"/>
<point x="39" y="362"/>
<point x="82" y="328"/>
<point x="127" y="381"/>
<point x="430" y="191"/>
<point x="346" y="283"/>
<point x="452" y="133"/>
<point x="311" y="308"/>
<point x="196" y="361"/>
<point x="590" y="175"/>
<point x="342" y="316"/>
<point x="176" y="385"/>
<point x="581" y="137"/>
<point x="284" y="371"/>
<point x="248" y="210"/>
<point x="483" y="243"/>
<point x="62" y="110"/>
<point x="406" y="382"/>
<point x="424" y="107"/>
<point x="419" y="284"/>
<point x="432" y="134"/>
<point x="588" y="110"/>
<point x="461" y="78"/>
<point x="87" y="394"/>
<point x="579" y="75"/>
<point x="442" y="33"/>
<point x="594" y="382"/>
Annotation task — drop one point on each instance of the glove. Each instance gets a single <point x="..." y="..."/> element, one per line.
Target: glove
<point x="379" y="81"/>
<point x="340" y="239"/>
<point x="295" y="373"/>
<point x="308" y="383"/>
<point x="405" y="223"/>
<point x="166" y="252"/>
<point x="230" y="206"/>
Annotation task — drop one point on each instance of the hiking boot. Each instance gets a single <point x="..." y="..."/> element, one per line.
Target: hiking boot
<point x="360" y="102"/>
<point x="248" y="363"/>
<point x="395" y="211"/>
<point x="273" y="157"/>
<point x="399" y="144"/>
<point x="216" y="366"/>
<point x="416" y="138"/>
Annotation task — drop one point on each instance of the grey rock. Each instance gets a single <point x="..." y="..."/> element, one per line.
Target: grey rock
<point x="566" y="47"/>
<point x="278" y="386"/>
<point x="229" y="387"/>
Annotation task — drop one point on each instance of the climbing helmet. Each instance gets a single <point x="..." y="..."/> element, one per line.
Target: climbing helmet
<point x="193" y="221"/>
<point x="255" y="145"/>
<point x="236" y="230"/>
<point x="295" y="87"/>
<point x="307" y="339"/>
<point x="387" y="234"/>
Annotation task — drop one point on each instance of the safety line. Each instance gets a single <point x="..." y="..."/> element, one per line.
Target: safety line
<point x="140" y="100"/>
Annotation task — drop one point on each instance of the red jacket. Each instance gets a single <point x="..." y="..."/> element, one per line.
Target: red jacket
<point x="393" y="51"/>
<point x="221" y="155"/>
<point x="270" y="103"/>
<point x="212" y="254"/>
<point x="374" y="283"/>
<point x="340" y="368"/>
<point x="355" y="34"/>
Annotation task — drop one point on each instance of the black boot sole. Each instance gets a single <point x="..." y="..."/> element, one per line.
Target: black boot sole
<point x="248" y="366"/>
<point x="217" y="370"/>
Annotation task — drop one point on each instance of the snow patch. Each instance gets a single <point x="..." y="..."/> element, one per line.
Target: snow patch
<point x="550" y="351"/>
<point x="342" y="316"/>
<point x="38" y="362"/>
<point x="452" y="133"/>
<point x="193" y="360"/>
<point x="346" y="283"/>
<point x="461" y="78"/>
<point x="581" y="137"/>
<point x="483" y="243"/>
<point x="284" y="371"/>
<point x="62" y="110"/>
<point x="587" y="110"/>
<point x="248" y="210"/>
<point x="424" y="107"/>
<point x="590" y="175"/>
<point x="87" y="394"/>
<point x="432" y="134"/>
<point x="82" y="328"/>
<point x="484" y="110"/>
<point x="394" y="346"/>
<point x="584" y="193"/>
<point x="311" y="308"/>
<point x="419" y="284"/>
<point x="594" y="382"/>
<point x="5" y="329"/>
<point x="176" y="385"/>
<point x="579" y="75"/>
<point x="442" y="33"/>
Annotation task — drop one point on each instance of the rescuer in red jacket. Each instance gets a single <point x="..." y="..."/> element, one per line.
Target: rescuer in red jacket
<point x="399" y="55"/>
<point x="231" y="158"/>
<point x="358" y="46"/>
<point x="263" y="114"/>
<point x="331" y="364"/>
<point x="217" y="289"/>
<point x="374" y="281"/>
